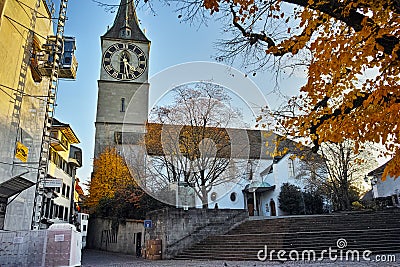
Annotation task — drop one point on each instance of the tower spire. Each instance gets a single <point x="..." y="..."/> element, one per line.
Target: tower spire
<point x="126" y="25"/>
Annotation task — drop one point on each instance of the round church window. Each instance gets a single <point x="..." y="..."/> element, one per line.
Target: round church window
<point x="213" y="196"/>
<point x="233" y="196"/>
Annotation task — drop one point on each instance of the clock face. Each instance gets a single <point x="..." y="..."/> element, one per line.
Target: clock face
<point x="124" y="61"/>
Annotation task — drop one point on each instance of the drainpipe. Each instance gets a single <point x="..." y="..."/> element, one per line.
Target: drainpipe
<point x="72" y="197"/>
<point x="254" y="200"/>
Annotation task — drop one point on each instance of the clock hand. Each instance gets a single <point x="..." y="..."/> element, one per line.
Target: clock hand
<point x="131" y="68"/>
<point x="126" y="67"/>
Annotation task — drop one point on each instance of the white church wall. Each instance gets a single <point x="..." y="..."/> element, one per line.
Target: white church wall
<point x="281" y="174"/>
<point x="224" y="196"/>
<point x="388" y="187"/>
<point x="223" y="191"/>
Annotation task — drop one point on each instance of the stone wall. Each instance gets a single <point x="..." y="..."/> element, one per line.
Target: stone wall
<point x="179" y="229"/>
<point x="115" y="235"/>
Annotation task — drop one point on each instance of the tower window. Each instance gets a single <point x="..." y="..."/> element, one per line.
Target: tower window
<point x="125" y="33"/>
<point x="123" y="104"/>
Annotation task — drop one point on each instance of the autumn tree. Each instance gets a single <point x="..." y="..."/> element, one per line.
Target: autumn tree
<point x="336" y="172"/>
<point x="349" y="50"/>
<point x="188" y="142"/>
<point x="113" y="190"/>
<point x="130" y="203"/>
<point x="110" y="174"/>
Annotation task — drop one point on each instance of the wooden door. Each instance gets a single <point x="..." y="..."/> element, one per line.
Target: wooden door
<point x="250" y="206"/>
<point x="273" y="208"/>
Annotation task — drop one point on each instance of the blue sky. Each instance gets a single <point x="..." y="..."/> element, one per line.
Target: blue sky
<point x="173" y="43"/>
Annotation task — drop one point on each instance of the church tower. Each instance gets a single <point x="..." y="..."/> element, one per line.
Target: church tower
<point x="123" y="80"/>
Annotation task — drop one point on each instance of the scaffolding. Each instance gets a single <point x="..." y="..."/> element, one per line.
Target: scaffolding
<point x="55" y="60"/>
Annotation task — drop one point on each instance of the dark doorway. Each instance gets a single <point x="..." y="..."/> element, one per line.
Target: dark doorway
<point x="250" y="206"/>
<point x="273" y="208"/>
<point x="138" y="244"/>
<point x="3" y="206"/>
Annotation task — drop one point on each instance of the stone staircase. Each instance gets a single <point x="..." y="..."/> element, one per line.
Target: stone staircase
<point x="378" y="232"/>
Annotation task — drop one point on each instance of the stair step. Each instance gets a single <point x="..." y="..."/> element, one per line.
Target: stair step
<point x="378" y="232"/>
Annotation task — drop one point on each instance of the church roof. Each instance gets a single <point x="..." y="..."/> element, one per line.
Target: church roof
<point x="126" y="18"/>
<point x="232" y="143"/>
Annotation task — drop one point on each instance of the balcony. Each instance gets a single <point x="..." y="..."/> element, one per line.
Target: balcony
<point x="58" y="144"/>
<point x="75" y="156"/>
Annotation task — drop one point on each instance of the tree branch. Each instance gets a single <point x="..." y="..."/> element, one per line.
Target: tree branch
<point x="353" y="19"/>
<point x="335" y="9"/>
<point x="253" y="37"/>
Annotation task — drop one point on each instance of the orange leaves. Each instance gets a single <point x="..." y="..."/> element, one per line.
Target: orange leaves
<point x="246" y="7"/>
<point x="212" y="5"/>
<point x="110" y="175"/>
<point x="354" y="62"/>
<point x="392" y="167"/>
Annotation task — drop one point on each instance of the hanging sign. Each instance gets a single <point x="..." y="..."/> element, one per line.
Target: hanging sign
<point x="21" y="152"/>
<point x="53" y="183"/>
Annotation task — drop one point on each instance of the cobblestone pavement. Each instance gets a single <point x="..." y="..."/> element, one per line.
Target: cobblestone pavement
<point x="100" y="258"/>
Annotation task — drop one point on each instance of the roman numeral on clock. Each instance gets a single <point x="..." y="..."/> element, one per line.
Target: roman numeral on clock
<point x="114" y="75"/>
<point x="108" y="67"/>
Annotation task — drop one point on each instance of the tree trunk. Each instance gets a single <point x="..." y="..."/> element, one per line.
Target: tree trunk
<point x="346" y="199"/>
<point x="204" y="197"/>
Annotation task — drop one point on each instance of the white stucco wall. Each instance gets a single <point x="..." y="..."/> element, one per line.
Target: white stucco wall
<point x="388" y="187"/>
<point x="278" y="177"/>
<point x="240" y="181"/>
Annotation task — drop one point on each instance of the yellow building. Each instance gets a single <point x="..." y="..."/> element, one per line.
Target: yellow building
<point x="65" y="158"/>
<point x="26" y="30"/>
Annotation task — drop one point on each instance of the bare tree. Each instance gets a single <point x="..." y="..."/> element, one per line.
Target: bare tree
<point x="189" y="143"/>
<point x="336" y="171"/>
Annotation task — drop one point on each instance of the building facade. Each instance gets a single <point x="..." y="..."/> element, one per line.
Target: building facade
<point x="24" y="27"/>
<point x="257" y="162"/>
<point x="387" y="188"/>
<point x="28" y="86"/>
<point x="65" y="159"/>
<point x="258" y="189"/>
